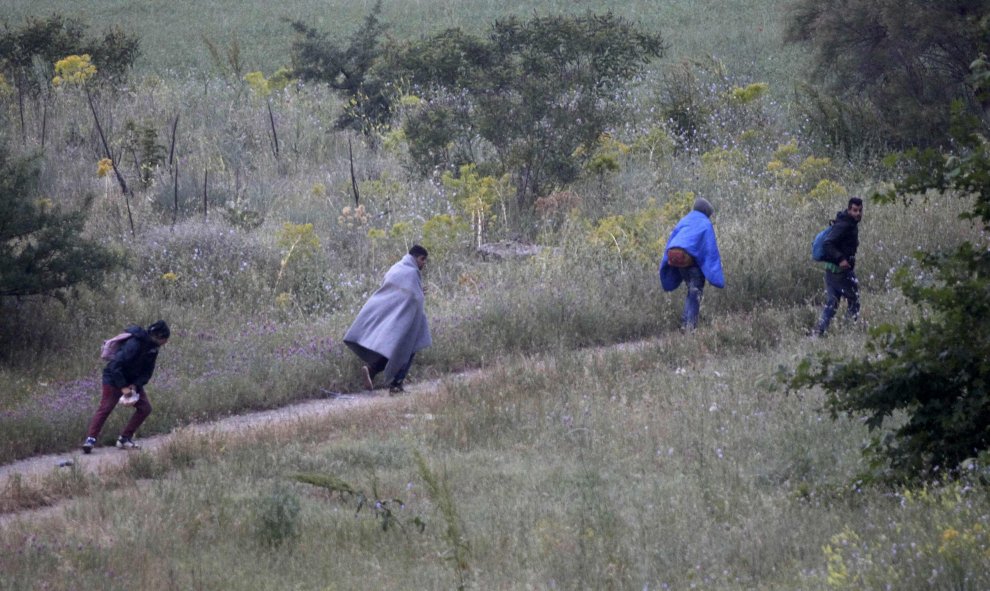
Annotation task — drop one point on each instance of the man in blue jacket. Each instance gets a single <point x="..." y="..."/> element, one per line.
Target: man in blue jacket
<point x="692" y="256"/>
<point x="125" y="375"/>
<point x="841" y="244"/>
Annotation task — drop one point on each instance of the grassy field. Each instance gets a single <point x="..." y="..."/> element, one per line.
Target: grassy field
<point x="743" y="33"/>
<point x="675" y="465"/>
<point x="572" y="463"/>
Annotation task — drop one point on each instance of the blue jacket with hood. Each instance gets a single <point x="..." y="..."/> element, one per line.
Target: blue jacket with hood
<point x="696" y="235"/>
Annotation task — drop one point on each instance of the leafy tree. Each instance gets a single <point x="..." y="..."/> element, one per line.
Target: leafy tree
<point x="51" y="39"/>
<point x="887" y="68"/>
<point x="523" y="99"/>
<point x="930" y="378"/>
<point x="347" y="69"/>
<point x="28" y="55"/>
<point x="42" y="249"/>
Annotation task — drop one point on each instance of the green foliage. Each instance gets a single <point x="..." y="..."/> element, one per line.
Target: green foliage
<point x="276" y="518"/>
<point x="749" y="93"/>
<point x="301" y="274"/>
<point x="900" y="61"/>
<point x="930" y="378"/>
<point x="703" y="108"/>
<point x="952" y="536"/>
<point x="933" y="372"/>
<point x="43" y="250"/>
<point x="227" y="60"/>
<point x="684" y="102"/>
<point x="347" y="70"/>
<point x="141" y="141"/>
<point x="439" y="490"/>
<point x="240" y="213"/>
<point x="49" y="39"/>
<point x="445" y="233"/>
<point x="532" y="91"/>
<point x="263" y="87"/>
<point x="805" y="176"/>
<point x="475" y="195"/>
<point x="192" y="264"/>
<point x="639" y="236"/>
<point x="385" y="510"/>
<point x="656" y="143"/>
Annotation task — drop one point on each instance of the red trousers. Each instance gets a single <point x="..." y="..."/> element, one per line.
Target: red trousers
<point x="111" y="395"/>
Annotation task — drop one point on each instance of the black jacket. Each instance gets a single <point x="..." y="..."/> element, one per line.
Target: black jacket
<point x="842" y="240"/>
<point x="134" y="362"/>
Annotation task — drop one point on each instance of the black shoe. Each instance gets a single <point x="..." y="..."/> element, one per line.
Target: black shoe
<point x="396" y="389"/>
<point x="88" y="445"/>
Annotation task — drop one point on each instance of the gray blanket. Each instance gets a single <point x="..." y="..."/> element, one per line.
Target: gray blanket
<point x="393" y="322"/>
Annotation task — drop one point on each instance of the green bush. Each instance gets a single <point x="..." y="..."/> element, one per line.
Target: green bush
<point x="276" y="518"/>
<point x="534" y="91"/>
<point x="40" y="42"/>
<point x="348" y="70"/>
<point x="44" y="251"/>
<point x="890" y="65"/>
<point x="927" y="378"/>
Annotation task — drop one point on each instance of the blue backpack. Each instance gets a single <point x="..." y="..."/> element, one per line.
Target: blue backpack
<point x="818" y="244"/>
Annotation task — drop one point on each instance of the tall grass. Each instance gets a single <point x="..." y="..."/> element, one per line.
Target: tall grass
<point x="252" y="332"/>
<point x="675" y="465"/>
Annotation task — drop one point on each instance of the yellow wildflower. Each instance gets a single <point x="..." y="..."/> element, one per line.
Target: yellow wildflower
<point x="258" y="83"/>
<point x="103" y="167"/>
<point x="280" y="79"/>
<point x="749" y="93"/>
<point x="283" y="300"/>
<point x="170" y="277"/>
<point x="74" y="69"/>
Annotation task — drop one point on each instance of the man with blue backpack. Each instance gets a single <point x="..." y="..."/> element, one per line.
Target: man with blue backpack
<point x="837" y="249"/>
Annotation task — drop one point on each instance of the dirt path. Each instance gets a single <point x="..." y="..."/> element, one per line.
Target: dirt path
<point x="35" y="469"/>
<point x="102" y="458"/>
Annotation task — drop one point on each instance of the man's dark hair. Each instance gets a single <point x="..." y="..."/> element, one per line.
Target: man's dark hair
<point x="418" y="251"/>
<point x="854" y="201"/>
<point x="159" y="329"/>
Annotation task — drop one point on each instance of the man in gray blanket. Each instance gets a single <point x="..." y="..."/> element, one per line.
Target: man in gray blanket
<point x="392" y="326"/>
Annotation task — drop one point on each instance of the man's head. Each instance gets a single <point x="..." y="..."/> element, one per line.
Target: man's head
<point x="704" y="206"/>
<point x="855" y="208"/>
<point x="159" y="332"/>
<point x="419" y="253"/>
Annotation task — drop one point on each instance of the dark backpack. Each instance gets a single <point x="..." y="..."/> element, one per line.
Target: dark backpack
<point x="818" y="244"/>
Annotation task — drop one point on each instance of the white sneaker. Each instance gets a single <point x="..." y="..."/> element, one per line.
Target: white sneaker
<point x="127" y="443"/>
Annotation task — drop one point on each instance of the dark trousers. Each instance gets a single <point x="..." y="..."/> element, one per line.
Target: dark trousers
<point x="376" y="362"/>
<point x="837" y="286"/>
<point x="111" y="396"/>
<point x="379" y="365"/>
<point x="695" y="281"/>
